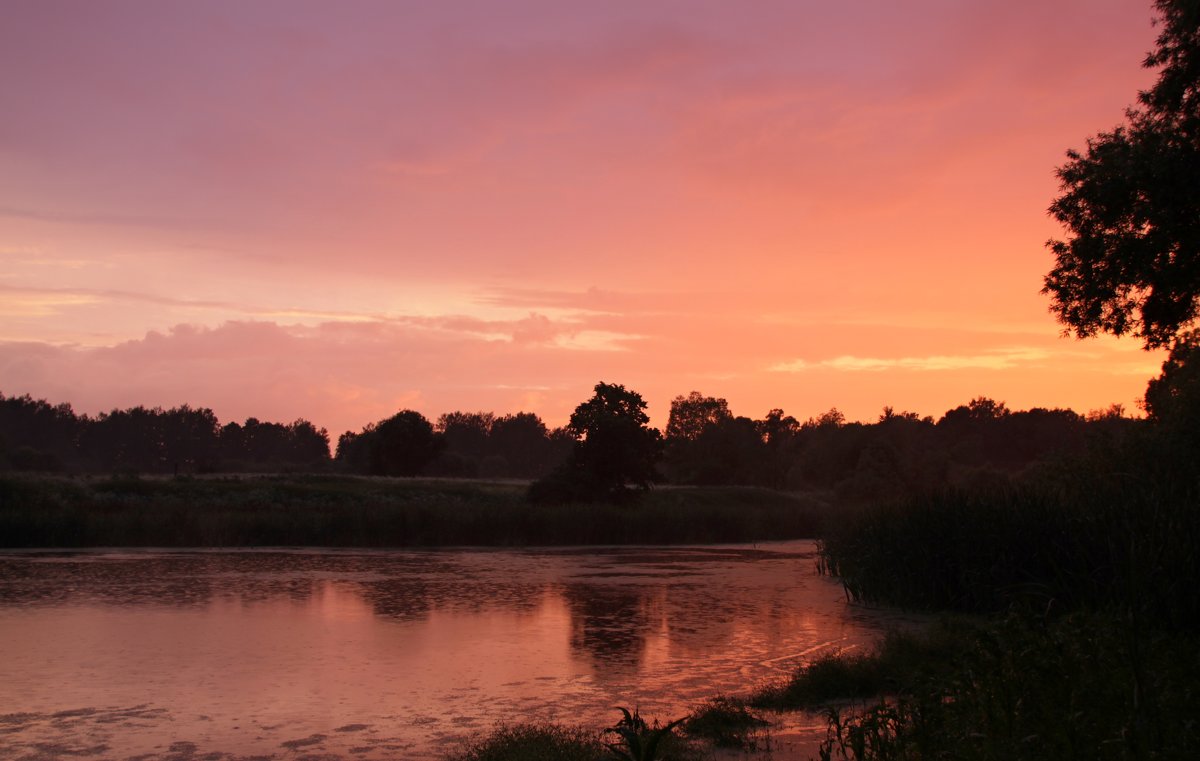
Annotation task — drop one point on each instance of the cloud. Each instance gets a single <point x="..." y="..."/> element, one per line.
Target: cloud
<point x="339" y="374"/>
<point x="101" y="218"/>
<point x="33" y="302"/>
<point x="998" y="359"/>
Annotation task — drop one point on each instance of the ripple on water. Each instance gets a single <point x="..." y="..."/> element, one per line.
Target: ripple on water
<point x="371" y="655"/>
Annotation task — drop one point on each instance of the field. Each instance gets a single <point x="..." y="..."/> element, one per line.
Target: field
<point x="348" y="511"/>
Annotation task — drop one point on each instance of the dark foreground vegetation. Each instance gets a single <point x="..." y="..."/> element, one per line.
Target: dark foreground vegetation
<point x="351" y="511"/>
<point x="1086" y="577"/>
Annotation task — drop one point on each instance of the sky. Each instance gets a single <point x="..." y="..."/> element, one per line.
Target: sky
<point x="337" y="210"/>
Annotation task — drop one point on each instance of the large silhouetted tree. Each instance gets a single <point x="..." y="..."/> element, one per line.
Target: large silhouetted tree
<point x="1173" y="398"/>
<point x="1130" y="263"/>
<point x="35" y="435"/>
<point x="401" y="445"/>
<point x="614" y="448"/>
<point x="613" y="438"/>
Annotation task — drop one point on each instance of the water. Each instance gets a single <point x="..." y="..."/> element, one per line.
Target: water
<point x="396" y="654"/>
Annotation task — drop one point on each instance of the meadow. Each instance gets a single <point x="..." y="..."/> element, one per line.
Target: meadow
<point x="353" y="511"/>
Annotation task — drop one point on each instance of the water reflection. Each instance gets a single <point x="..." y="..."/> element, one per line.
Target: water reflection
<point x="609" y="625"/>
<point x="374" y="654"/>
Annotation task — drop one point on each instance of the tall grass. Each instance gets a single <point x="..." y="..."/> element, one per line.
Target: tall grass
<point x="374" y="512"/>
<point x="1027" y="687"/>
<point x="534" y="742"/>
<point x="1095" y="535"/>
<point x="1088" y="572"/>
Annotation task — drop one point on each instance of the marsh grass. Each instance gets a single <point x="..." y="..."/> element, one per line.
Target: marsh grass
<point x="346" y="511"/>
<point x="728" y="722"/>
<point x="1023" y="688"/>
<point x="900" y="661"/>
<point x="1121" y="535"/>
<point x="534" y="742"/>
<point x="635" y="739"/>
<point x="1086" y="574"/>
<point x="632" y="738"/>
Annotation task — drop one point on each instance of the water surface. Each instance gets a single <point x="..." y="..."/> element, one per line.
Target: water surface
<point x="373" y="655"/>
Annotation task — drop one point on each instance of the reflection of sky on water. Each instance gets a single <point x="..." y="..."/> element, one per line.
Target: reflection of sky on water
<point x="245" y="652"/>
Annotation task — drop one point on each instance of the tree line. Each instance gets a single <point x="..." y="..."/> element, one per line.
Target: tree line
<point x="36" y="435"/>
<point x="704" y="443"/>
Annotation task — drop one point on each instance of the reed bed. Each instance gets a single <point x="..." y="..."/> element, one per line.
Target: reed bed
<point x="1086" y="573"/>
<point x="1097" y="541"/>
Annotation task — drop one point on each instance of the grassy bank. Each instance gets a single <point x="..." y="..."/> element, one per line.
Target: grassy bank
<point x="345" y="511"/>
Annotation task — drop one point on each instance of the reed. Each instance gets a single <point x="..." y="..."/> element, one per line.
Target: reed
<point x="1029" y="688"/>
<point x="1133" y="544"/>
<point x="1086" y="571"/>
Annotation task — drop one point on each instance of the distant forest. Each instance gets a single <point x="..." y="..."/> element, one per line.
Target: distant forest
<point x="704" y="444"/>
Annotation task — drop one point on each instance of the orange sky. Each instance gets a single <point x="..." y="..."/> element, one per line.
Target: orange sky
<point x="337" y="210"/>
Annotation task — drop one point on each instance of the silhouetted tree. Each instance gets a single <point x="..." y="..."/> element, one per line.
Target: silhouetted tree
<point x="1173" y="398"/>
<point x="466" y="433"/>
<point x="524" y="443"/>
<point x="614" y="447"/>
<point x="833" y="418"/>
<point x="979" y="409"/>
<point x="260" y="446"/>
<point x="189" y="438"/>
<point x="889" y="415"/>
<point x="35" y="435"/>
<point x="777" y="428"/>
<point x="691" y="454"/>
<point x="401" y="445"/>
<point x="1131" y="204"/>
<point x="690" y="415"/>
<point x="728" y="451"/>
<point x="779" y="433"/>
<point x="129" y="440"/>
<point x="466" y="437"/>
<point x="1175" y="394"/>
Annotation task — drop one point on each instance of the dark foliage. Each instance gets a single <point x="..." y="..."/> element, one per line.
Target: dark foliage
<point x="727" y="722"/>
<point x="534" y="742"/>
<point x="614" y="449"/>
<point x="1131" y="204"/>
<point x="36" y="436"/>
<point x="401" y="445"/>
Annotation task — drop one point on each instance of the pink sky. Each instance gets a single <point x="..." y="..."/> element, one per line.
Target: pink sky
<point x="334" y="210"/>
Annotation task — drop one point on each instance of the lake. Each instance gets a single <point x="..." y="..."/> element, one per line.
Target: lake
<point x="391" y="654"/>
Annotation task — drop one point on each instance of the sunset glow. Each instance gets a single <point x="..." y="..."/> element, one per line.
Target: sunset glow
<point x="338" y="210"/>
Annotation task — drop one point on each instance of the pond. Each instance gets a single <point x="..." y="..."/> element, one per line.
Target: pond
<point x="390" y="654"/>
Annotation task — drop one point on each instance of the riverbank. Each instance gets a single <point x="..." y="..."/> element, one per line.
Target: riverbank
<point x="350" y="511"/>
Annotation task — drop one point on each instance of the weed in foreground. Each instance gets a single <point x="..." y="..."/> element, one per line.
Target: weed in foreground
<point x="639" y="741"/>
<point x="727" y="722"/>
<point x="534" y="742"/>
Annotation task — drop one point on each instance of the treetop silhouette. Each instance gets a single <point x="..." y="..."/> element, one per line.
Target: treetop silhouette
<point x="1131" y="205"/>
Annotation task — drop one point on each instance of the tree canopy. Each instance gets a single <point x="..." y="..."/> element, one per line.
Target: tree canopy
<point x="691" y="414"/>
<point x="1130" y="263"/>
<point x="614" y="448"/>
<point x="614" y="441"/>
